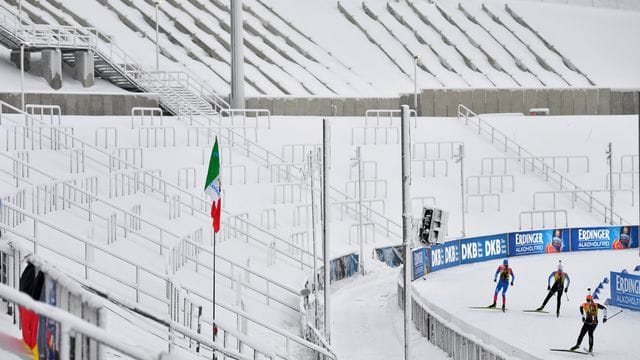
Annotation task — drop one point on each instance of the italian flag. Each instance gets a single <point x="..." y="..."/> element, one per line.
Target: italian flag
<point x="212" y="186"/>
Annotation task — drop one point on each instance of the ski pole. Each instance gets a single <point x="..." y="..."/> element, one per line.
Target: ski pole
<point x="614" y="315"/>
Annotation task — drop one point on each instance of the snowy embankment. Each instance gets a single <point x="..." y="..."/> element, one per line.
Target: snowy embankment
<point x="455" y="290"/>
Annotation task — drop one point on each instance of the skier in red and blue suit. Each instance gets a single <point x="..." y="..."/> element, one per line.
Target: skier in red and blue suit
<point x="506" y="274"/>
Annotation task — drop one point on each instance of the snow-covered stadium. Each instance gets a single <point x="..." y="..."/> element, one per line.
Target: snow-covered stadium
<point x="244" y="179"/>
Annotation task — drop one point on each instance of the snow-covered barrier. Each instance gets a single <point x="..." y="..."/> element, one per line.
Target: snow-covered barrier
<point x="470" y="250"/>
<point x="57" y="290"/>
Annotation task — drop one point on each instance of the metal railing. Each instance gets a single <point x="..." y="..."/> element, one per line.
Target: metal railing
<point x="542" y="214"/>
<point x="136" y="285"/>
<point x="195" y="204"/>
<point x="573" y="194"/>
<point x="193" y="201"/>
<point x="537" y="163"/>
<point x="70" y="323"/>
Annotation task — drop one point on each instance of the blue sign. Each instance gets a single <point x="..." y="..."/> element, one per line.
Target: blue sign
<point x="538" y="242"/>
<point x="419" y="257"/>
<point x="483" y="248"/>
<point x="604" y="238"/>
<point x="625" y="290"/>
<point x="443" y="256"/>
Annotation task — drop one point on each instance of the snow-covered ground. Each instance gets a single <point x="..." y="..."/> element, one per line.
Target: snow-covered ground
<point x="291" y="50"/>
<point x="456" y="289"/>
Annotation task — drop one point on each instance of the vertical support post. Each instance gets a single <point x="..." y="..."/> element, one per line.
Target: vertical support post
<point x="20" y="14"/>
<point x="65" y="342"/>
<point x="360" y="236"/>
<point x="406" y="219"/>
<point x="415" y="82"/>
<point x="313" y="238"/>
<point x="610" y="161"/>
<point x="21" y="70"/>
<point x="237" y="56"/>
<point x="326" y="143"/>
<point x="157" y="2"/>
<point x="460" y="158"/>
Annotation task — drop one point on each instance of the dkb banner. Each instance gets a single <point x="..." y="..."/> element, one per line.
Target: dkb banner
<point x="419" y="260"/>
<point x="625" y="290"/>
<point x="604" y="238"/>
<point x="483" y="248"/>
<point x="538" y="242"/>
<point x="443" y="256"/>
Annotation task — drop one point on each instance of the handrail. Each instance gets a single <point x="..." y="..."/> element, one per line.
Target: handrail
<point x="136" y="286"/>
<point x="85" y="263"/>
<point x="70" y="322"/>
<point x="286" y="334"/>
<point x="280" y="285"/>
<point x="130" y="70"/>
<point x="162" y="230"/>
<point x="466" y="113"/>
<point x="100" y="200"/>
<point x="81" y="290"/>
<point x="195" y="203"/>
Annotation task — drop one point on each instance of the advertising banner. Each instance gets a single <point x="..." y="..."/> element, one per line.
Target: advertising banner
<point x="419" y="258"/>
<point x="604" y="238"/>
<point x="625" y="290"/>
<point x="443" y="256"/>
<point x="483" y="248"/>
<point x="538" y="242"/>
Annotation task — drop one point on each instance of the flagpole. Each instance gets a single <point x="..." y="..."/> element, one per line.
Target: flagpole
<point x="214" y="285"/>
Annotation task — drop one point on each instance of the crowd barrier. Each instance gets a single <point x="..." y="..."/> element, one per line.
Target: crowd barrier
<point x="471" y="250"/>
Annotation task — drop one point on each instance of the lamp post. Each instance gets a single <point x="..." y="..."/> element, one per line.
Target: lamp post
<point x="415" y="82"/>
<point x="22" y="76"/>
<point x="157" y="3"/>
<point x="357" y="161"/>
<point x="459" y="157"/>
<point x="20" y="14"/>
<point x="609" y="153"/>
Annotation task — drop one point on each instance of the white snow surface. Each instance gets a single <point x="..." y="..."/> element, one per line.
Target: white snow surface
<point x="456" y="289"/>
<point x="570" y="135"/>
<point x="312" y="49"/>
<point x="600" y="42"/>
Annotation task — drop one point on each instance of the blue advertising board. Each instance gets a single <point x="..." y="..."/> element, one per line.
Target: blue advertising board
<point x="483" y="248"/>
<point x="625" y="290"/>
<point x="419" y="260"/>
<point x="538" y="242"/>
<point x="443" y="256"/>
<point x="604" y="238"/>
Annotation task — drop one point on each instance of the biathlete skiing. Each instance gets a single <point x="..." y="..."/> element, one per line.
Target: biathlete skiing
<point x="557" y="288"/>
<point x="589" y="312"/>
<point x="506" y="276"/>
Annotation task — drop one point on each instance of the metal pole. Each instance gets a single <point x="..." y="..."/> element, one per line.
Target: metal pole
<point x="415" y="82"/>
<point x="157" y="31"/>
<point x="461" y="157"/>
<point x="237" y="56"/>
<point x="22" y="75"/>
<point x="406" y="219"/>
<point x="359" y="161"/>
<point x="326" y="143"/>
<point x="313" y="238"/>
<point x="20" y="14"/>
<point x="610" y="161"/>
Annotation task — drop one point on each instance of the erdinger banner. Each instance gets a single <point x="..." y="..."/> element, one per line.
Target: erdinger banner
<point x="604" y="238"/>
<point x="483" y="248"/>
<point x="625" y="290"/>
<point x="538" y="242"/>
